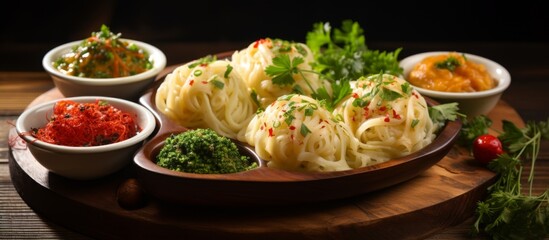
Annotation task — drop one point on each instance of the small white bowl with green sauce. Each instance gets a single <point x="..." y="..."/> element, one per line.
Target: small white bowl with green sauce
<point x="126" y="86"/>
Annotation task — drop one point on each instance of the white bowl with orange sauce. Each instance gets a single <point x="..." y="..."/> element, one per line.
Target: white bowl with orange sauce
<point x="471" y="103"/>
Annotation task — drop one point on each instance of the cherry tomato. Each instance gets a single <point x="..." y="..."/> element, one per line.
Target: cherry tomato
<point x="487" y="148"/>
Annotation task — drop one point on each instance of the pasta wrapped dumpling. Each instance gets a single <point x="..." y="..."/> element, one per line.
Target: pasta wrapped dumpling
<point x="203" y="94"/>
<point x="252" y="63"/>
<point x="387" y="116"/>
<point x="295" y="133"/>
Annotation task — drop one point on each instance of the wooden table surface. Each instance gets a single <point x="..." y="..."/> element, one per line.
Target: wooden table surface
<point x="527" y="63"/>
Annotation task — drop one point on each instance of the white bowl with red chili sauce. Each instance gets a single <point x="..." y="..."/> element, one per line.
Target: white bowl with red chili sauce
<point x="127" y="87"/>
<point x="472" y="103"/>
<point x="84" y="162"/>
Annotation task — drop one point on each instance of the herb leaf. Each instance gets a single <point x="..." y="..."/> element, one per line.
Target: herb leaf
<point x="283" y="68"/>
<point x="442" y="112"/>
<point x="508" y="213"/>
<point x="342" y="54"/>
<point x="451" y="63"/>
<point x="472" y="128"/>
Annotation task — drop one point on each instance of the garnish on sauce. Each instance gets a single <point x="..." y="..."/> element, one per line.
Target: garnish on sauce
<point x="104" y="55"/>
<point x="451" y="63"/>
<point x="86" y="124"/>
<point x="451" y="72"/>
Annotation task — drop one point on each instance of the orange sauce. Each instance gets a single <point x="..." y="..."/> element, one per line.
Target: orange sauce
<point x="451" y="72"/>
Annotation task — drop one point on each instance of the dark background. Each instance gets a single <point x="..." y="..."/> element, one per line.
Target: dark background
<point x="30" y="29"/>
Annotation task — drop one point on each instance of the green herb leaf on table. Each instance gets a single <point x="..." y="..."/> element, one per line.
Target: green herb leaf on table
<point x="472" y="128"/>
<point x="509" y="212"/>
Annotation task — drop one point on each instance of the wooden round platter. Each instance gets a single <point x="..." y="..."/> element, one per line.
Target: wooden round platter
<point x="443" y="195"/>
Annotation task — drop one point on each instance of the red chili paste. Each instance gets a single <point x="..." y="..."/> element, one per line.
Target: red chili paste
<point x="87" y="124"/>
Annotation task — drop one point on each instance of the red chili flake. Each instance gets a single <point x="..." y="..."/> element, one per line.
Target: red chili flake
<point x="260" y="41"/>
<point x="291" y="137"/>
<point x="320" y="121"/>
<point x="203" y="64"/>
<point x="383" y="108"/>
<point x="396" y="115"/>
<point x="87" y="124"/>
<point x="323" y="126"/>
<point x="387" y="119"/>
<point x="204" y="82"/>
<point x="191" y="82"/>
<point x="271" y="133"/>
<point x="415" y="95"/>
<point x="292" y="127"/>
<point x="355" y="95"/>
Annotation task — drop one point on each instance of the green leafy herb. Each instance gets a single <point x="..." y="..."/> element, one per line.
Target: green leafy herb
<point x="508" y="213"/>
<point x="451" y="63"/>
<point x="472" y="128"/>
<point x="378" y="89"/>
<point x="442" y="112"/>
<point x="342" y="54"/>
<point x="283" y="68"/>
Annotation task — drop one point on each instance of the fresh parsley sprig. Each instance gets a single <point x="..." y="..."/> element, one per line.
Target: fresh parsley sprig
<point x="439" y="114"/>
<point x="342" y="54"/>
<point x="283" y="68"/>
<point x="508" y="212"/>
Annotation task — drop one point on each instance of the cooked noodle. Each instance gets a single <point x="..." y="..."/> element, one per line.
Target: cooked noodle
<point x="295" y="133"/>
<point x="387" y="116"/>
<point x="252" y="61"/>
<point x="383" y="118"/>
<point x="208" y="95"/>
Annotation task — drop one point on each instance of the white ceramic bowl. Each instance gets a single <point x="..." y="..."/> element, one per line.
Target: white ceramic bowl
<point x="84" y="163"/>
<point x="130" y="87"/>
<point x="470" y="103"/>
